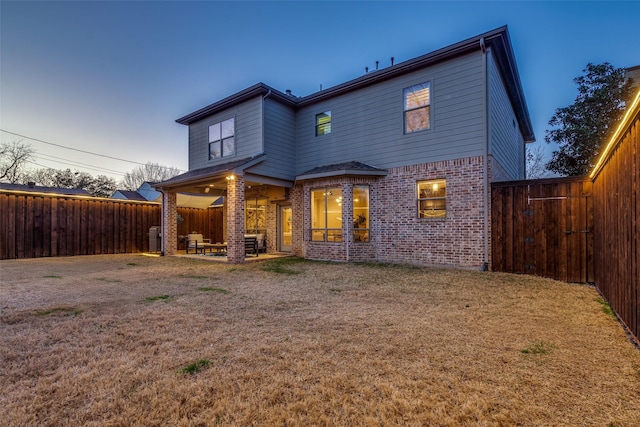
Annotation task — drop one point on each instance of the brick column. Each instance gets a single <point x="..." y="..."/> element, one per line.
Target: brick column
<point x="169" y="223"/>
<point x="235" y="219"/>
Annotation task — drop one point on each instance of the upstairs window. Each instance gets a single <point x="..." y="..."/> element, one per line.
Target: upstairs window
<point x="323" y="123"/>
<point x="432" y="198"/>
<point x="222" y="142"/>
<point x="417" y="108"/>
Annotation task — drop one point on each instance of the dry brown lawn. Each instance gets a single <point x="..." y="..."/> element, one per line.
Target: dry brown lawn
<point x="129" y="340"/>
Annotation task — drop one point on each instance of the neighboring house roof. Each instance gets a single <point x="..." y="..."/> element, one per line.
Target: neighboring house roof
<point x="498" y="40"/>
<point x="41" y="189"/>
<point x="634" y="73"/>
<point x="128" y="195"/>
<point x="347" y="168"/>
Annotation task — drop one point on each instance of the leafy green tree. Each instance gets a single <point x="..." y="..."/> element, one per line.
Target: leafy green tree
<point x="582" y="128"/>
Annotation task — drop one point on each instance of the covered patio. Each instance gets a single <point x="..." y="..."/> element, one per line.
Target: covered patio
<point x="234" y="182"/>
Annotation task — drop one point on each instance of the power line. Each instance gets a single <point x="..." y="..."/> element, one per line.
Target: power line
<point x="75" y="163"/>
<point x="81" y="151"/>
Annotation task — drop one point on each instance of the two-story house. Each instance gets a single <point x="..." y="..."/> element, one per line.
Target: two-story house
<point x="393" y="166"/>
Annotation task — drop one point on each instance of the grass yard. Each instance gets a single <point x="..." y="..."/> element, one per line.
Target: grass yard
<point x="128" y="340"/>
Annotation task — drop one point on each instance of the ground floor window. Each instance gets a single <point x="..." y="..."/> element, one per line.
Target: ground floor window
<point x="361" y="213"/>
<point x="432" y="198"/>
<point x="255" y="216"/>
<point x="326" y="215"/>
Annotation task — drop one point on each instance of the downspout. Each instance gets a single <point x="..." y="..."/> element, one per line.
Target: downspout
<point x="486" y="118"/>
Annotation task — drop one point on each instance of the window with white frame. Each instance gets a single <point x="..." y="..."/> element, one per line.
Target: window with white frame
<point x="432" y="198"/>
<point x="417" y="107"/>
<point x="323" y="123"/>
<point x="326" y="215"/>
<point x="222" y="141"/>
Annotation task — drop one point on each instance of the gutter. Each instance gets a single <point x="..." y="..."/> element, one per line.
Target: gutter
<point x="486" y="118"/>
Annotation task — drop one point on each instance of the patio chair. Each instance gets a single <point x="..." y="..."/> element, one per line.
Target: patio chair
<point x="251" y="246"/>
<point x="198" y="243"/>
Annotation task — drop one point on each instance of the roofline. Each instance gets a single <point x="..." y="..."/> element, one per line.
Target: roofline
<point x="237" y="169"/>
<point x="343" y="172"/>
<point x="259" y="89"/>
<point x="498" y="38"/>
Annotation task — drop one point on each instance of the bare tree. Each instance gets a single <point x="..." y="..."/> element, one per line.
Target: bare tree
<point x="536" y="163"/>
<point x="13" y="158"/>
<point x="100" y="186"/>
<point x="151" y="172"/>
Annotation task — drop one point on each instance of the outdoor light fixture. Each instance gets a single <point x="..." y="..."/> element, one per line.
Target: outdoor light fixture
<point x="207" y="189"/>
<point x="231" y="178"/>
<point x="614" y="139"/>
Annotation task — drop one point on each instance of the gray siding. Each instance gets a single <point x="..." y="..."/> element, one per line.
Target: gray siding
<point x="507" y="142"/>
<point x="248" y="121"/>
<point x="279" y="142"/>
<point x="367" y="125"/>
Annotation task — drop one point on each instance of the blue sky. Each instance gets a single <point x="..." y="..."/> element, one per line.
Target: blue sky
<point x="112" y="77"/>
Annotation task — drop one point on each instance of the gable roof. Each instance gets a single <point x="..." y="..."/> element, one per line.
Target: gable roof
<point x="498" y="40"/>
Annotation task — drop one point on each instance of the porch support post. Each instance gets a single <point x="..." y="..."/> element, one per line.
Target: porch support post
<point x="235" y="219"/>
<point x="169" y="223"/>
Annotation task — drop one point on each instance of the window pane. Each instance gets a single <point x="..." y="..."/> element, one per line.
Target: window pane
<point x="255" y="214"/>
<point x="361" y="214"/>
<point x="323" y="123"/>
<point x="334" y="208"/>
<point x="432" y="198"/>
<point x="433" y="208"/>
<point x="214" y="132"/>
<point x="323" y="129"/>
<point x="416" y="96"/>
<point x="227" y="128"/>
<point x="433" y="188"/>
<point x="416" y="120"/>
<point x="214" y="150"/>
<point x="229" y="147"/>
<point x="318" y="214"/>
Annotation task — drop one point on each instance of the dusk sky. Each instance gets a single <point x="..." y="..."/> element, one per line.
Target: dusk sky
<point x="112" y="77"/>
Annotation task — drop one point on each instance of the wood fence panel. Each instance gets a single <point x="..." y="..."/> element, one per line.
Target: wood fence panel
<point x="617" y="208"/>
<point x="542" y="227"/>
<point x="41" y="225"/>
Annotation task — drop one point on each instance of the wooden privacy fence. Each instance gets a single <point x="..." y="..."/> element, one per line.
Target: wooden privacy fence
<point x="616" y="183"/>
<point x="544" y="228"/>
<point x="49" y="225"/>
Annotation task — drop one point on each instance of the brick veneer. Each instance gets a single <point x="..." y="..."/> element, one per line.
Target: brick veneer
<point x="456" y="240"/>
<point x="396" y="232"/>
<point x="235" y="219"/>
<point x="169" y="223"/>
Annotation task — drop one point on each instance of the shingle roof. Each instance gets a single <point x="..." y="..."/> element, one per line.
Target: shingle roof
<point x="209" y="171"/>
<point x="41" y="189"/>
<point x="347" y="168"/>
<point x="132" y="195"/>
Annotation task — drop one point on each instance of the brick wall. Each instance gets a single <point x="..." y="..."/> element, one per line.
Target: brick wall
<point x="396" y="233"/>
<point x="456" y="240"/>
